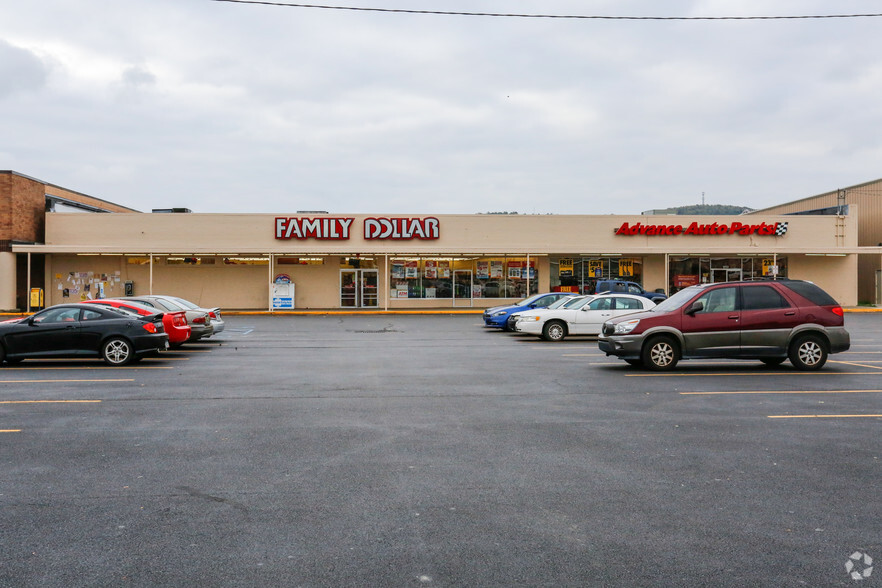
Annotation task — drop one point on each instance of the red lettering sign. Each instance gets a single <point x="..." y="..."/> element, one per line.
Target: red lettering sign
<point x="739" y="228"/>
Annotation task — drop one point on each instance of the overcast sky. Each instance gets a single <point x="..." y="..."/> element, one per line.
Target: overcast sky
<point x="223" y="107"/>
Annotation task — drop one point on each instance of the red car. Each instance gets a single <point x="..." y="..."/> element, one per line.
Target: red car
<point x="175" y="323"/>
<point x="769" y="320"/>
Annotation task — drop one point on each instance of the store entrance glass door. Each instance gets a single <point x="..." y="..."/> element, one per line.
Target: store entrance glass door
<point x="462" y="287"/>
<point x="725" y="274"/>
<point x="358" y="288"/>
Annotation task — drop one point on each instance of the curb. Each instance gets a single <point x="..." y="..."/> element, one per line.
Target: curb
<point x="283" y="313"/>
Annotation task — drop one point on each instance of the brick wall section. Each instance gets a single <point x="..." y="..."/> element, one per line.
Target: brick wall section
<point x="23" y="206"/>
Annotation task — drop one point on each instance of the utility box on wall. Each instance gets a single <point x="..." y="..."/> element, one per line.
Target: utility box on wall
<point x="130" y="288"/>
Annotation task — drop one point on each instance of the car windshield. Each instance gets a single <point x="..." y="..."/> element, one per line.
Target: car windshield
<point x="677" y="300"/>
<point x="564" y="302"/>
<point x="168" y="304"/>
<point x="122" y="309"/>
<point x="527" y="300"/>
<point x="579" y="302"/>
<point x="184" y="303"/>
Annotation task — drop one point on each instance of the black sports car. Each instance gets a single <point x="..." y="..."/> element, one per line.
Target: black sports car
<point x="82" y="330"/>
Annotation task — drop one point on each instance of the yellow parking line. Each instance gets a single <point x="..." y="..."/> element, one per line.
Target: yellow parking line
<point x="10" y="430"/>
<point x="64" y="381"/>
<point x="49" y="401"/>
<point x="862" y="364"/>
<point x="781" y="392"/>
<point x="824" y="416"/>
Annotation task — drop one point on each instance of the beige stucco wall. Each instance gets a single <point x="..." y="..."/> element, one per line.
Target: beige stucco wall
<point x="461" y="237"/>
<point x="836" y="275"/>
<point x="240" y="233"/>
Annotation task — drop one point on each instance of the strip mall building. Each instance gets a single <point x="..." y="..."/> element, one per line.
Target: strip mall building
<point x="328" y="261"/>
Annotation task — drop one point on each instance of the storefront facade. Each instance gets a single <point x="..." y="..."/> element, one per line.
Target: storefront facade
<point x="329" y="261"/>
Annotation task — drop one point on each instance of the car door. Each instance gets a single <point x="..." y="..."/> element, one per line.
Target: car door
<point x="767" y="319"/>
<point x="715" y="330"/>
<point x="54" y="331"/>
<point x="93" y="327"/>
<point x="590" y="318"/>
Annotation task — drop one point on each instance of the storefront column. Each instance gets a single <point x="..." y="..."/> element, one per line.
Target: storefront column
<point x="269" y="285"/>
<point x="668" y="274"/>
<point x="151" y="274"/>
<point x="28" y="291"/>
<point x="8" y="280"/>
<point x="386" y="281"/>
<point x="528" y="275"/>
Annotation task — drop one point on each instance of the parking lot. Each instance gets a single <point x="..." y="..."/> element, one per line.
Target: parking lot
<point x="400" y="450"/>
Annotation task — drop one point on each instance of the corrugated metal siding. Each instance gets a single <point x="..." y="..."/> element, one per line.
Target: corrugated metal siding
<point x="868" y="200"/>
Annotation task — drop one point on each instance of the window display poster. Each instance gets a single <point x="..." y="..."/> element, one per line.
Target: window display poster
<point x="431" y="271"/>
<point x="495" y="269"/>
<point x="483" y="270"/>
<point x="397" y="269"/>
<point x="685" y="280"/>
<point x="514" y="271"/>
<point x="444" y="269"/>
<point x="566" y="267"/>
<point x="412" y="270"/>
<point x="595" y="268"/>
<point x="626" y="268"/>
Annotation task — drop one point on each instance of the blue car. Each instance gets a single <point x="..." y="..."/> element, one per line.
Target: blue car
<point x="498" y="315"/>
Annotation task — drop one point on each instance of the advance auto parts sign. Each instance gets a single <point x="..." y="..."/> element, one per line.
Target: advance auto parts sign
<point x="736" y="228"/>
<point x="335" y="228"/>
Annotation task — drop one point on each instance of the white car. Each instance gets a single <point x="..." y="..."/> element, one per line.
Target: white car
<point x="585" y="315"/>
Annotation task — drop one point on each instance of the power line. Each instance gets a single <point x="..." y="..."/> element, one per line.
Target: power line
<point x="563" y="16"/>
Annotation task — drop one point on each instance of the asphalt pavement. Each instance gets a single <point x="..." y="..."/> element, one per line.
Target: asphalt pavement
<point x="396" y="450"/>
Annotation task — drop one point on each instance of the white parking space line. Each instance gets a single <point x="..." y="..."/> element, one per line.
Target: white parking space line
<point x="50" y="401"/>
<point x="717" y="374"/>
<point x="741" y="392"/>
<point x="824" y="416"/>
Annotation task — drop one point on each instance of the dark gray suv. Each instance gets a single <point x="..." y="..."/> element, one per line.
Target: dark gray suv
<point x="766" y="320"/>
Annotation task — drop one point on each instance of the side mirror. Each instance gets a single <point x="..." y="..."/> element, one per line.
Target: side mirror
<point x="697" y="306"/>
<point x="31" y="321"/>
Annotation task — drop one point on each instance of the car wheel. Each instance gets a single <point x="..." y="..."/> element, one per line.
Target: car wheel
<point x="554" y="331"/>
<point x="117" y="351"/>
<point x="808" y="353"/>
<point x="660" y="354"/>
<point x="773" y="361"/>
<point x="634" y="362"/>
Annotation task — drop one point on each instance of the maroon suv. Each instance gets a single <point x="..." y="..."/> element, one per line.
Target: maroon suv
<point x="766" y="320"/>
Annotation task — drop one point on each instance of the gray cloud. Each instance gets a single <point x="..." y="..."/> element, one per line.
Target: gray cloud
<point x="21" y="70"/>
<point x="257" y="108"/>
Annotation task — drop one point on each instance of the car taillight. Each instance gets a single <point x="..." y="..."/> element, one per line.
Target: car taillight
<point x="212" y="315"/>
<point x="837" y="310"/>
<point x="180" y="320"/>
<point x="149" y="327"/>
<point x="199" y="320"/>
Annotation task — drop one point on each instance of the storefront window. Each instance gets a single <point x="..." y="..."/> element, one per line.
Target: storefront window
<point x="358" y="262"/>
<point x="505" y="277"/>
<point x="490" y="277"/>
<point x="688" y="271"/>
<point x="581" y="274"/>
